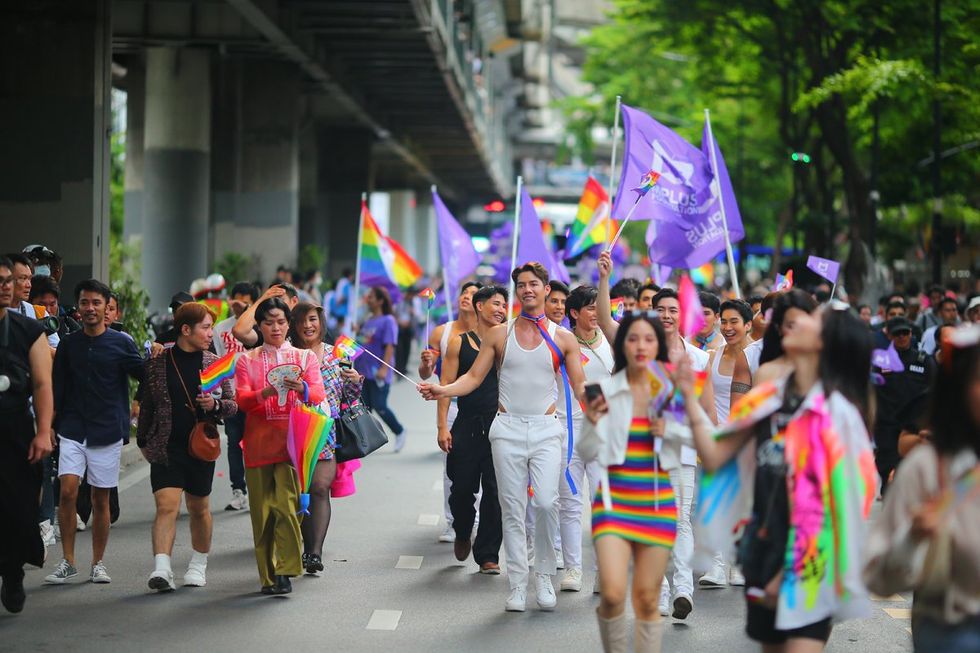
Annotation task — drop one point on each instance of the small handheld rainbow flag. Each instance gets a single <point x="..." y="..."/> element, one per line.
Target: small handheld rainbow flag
<point x="647" y="181"/>
<point x="346" y="347"/>
<point x="218" y="371"/>
<point x="618" y="308"/>
<point x="783" y="283"/>
<point x="428" y="295"/>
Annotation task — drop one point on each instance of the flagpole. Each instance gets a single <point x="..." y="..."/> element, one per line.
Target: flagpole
<point x="622" y="225"/>
<point x="721" y="203"/>
<point x="612" y="158"/>
<point x="388" y="365"/>
<point x="355" y="300"/>
<point x="513" y="247"/>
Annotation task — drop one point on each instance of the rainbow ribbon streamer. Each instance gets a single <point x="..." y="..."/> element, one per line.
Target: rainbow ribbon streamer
<point x="218" y="371"/>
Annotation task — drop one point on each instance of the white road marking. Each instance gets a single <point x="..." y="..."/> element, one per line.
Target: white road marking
<point x="893" y="597"/>
<point x="134" y="477"/>
<point x="409" y="562"/>
<point x="898" y="613"/>
<point x="384" y="620"/>
<point x="428" y="520"/>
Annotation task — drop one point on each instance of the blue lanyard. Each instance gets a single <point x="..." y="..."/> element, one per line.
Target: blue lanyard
<point x="559" y="362"/>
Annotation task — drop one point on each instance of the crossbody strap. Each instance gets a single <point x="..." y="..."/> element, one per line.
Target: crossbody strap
<point x="190" y="403"/>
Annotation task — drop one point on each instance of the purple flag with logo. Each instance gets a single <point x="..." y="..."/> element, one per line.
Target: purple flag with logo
<point x="532" y="247"/>
<point x="824" y="267"/>
<point x="887" y="360"/>
<point x="459" y="258"/>
<point x="684" y="207"/>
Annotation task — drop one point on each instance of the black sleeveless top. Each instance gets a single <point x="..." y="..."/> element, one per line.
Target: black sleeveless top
<point x="483" y="400"/>
<point x="17" y="335"/>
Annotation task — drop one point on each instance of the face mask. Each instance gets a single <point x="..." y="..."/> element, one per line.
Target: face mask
<point x="42" y="270"/>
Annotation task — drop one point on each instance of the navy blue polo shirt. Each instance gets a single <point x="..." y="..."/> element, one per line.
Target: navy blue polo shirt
<point x="91" y="389"/>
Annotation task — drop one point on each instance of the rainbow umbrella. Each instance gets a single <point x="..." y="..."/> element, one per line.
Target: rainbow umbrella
<point x="308" y="434"/>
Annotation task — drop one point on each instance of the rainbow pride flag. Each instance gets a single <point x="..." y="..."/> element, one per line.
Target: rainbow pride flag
<point x="591" y="225"/>
<point x="704" y="275"/>
<point x="383" y="261"/>
<point x="647" y="181"/>
<point x="346" y="347"/>
<point x="218" y="371"/>
<point x="783" y="283"/>
<point x="618" y="308"/>
<point x="429" y="296"/>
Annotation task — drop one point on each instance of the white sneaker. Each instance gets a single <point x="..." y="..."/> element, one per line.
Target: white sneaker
<point x="571" y="580"/>
<point x="544" y="592"/>
<point x="239" y="501"/>
<point x="195" y="576"/>
<point x="664" y="603"/>
<point x="47" y="533"/>
<point x="448" y="536"/>
<point x="79" y="524"/>
<point x="63" y="573"/>
<point x="517" y="601"/>
<point x="161" y="580"/>
<point x="735" y="578"/>
<point x="714" y="579"/>
<point x="400" y="442"/>
<point x="99" y="573"/>
<point x="559" y="559"/>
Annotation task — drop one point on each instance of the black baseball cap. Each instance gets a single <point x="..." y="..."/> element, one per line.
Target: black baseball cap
<point x="897" y="325"/>
<point x="180" y="299"/>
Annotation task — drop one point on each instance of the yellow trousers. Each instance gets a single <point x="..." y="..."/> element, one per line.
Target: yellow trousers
<point x="273" y="497"/>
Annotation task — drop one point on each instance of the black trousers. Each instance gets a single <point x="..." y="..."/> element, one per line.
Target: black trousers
<point x="886" y="460"/>
<point x="470" y="464"/>
<point x="20" y="495"/>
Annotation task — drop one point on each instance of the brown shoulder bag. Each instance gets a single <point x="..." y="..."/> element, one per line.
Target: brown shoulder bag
<point x="204" y="443"/>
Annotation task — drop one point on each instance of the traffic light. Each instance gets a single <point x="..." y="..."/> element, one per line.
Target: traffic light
<point x="800" y="157"/>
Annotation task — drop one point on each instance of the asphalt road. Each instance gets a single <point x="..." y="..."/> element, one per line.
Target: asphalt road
<point x="388" y="584"/>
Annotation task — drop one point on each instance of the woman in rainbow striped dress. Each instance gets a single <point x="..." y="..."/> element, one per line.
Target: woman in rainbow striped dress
<point x="634" y="516"/>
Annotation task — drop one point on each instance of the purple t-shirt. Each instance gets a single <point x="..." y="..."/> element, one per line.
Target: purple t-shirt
<point x="375" y="335"/>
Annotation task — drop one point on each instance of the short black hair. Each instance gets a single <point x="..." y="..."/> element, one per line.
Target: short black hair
<point x="470" y="284"/>
<point x="245" y="288"/>
<point x="935" y="289"/>
<point x="42" y="284"/>
<point x="710" y="300"/>
<point x="6" y="263"/>
<point x="863" y="306"/>
<point x="822" y="296"/>
<point x="740" y="305"/>
<point x="900" y="295"/>
<point x="949" y="300"/>
<point x="92" y="285"/>
<point x="486" y="292"/>
<point x="754" y="299"/>
<point x="578" y="299"/>
<point x="271" y="304"/>
<point x="665" y="293"/>
<point x="892" y="305"/>
<point x="650" y="286"/>
<point x="289" y="288"/>
<point x="624" y="288"/>
<point x="17" y="257"/>
<point x="555" y="284"/>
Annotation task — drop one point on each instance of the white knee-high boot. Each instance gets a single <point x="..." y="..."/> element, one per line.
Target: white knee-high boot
<point x="613" y="633"/>
<point x="647" y="636"/>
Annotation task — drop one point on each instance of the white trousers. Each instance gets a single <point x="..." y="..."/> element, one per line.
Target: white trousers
<point x="682" y="481"/>
<point x="570" y="506"/>
<point x="527" y="447"/>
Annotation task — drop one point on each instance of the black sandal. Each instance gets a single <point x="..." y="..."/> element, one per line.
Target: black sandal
<point x="313" y="563"/>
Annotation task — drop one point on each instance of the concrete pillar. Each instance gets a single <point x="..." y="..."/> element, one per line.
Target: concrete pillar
<point x="425" y="232"/>
<point x="134" y="84"/>
<point x="343" y="173"/>
<point x="54" y="127"/>
<point x="176" y="170"/>
<point x="255" y="194"/>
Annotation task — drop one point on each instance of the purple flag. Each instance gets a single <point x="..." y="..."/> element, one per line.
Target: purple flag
<point x="661" y="273"/>
<point x="531" y="245"/>
<point x="824" y="267"/>
<point x="684" y="207"/>
<point x="887" y="360"/>
<point x="459" y="258"/>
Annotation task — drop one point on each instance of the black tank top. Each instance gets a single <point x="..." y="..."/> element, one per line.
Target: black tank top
<point x="483" y="400"/>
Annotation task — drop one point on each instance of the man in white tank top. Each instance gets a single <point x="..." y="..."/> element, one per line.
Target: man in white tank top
<point x="597" y="364"/>
<point x="526" y="435"/>
<point x="731" y="378"/>
<point x="682" y="478"/>
<point x="446" y="409"/>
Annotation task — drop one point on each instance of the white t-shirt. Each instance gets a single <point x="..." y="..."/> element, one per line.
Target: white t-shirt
<point x="699" y="361"/>
<point x="224" y="341"/>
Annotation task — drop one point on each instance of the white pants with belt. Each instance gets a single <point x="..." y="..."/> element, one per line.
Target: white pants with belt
<point x="527" y="447"/>
<point x="682" y="482"/>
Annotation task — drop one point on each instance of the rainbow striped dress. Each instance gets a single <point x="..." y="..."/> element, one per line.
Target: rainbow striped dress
<point x="643" y="508"/>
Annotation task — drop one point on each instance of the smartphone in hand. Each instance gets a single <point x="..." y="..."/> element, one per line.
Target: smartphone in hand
<point x="592" y="392"/>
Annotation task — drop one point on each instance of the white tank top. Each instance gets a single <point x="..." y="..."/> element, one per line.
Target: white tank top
<point x="722" y="385"/>
<point x="526" y="382"/>
<point x="597" y="364"/>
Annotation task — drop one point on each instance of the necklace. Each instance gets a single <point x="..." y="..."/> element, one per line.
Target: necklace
<point x="588" y="343"/>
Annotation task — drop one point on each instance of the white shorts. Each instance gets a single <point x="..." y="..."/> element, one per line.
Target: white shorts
<point x="101" y="463"/>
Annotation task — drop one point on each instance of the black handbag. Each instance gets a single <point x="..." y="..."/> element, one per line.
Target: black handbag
<point x="359" y="432"/>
